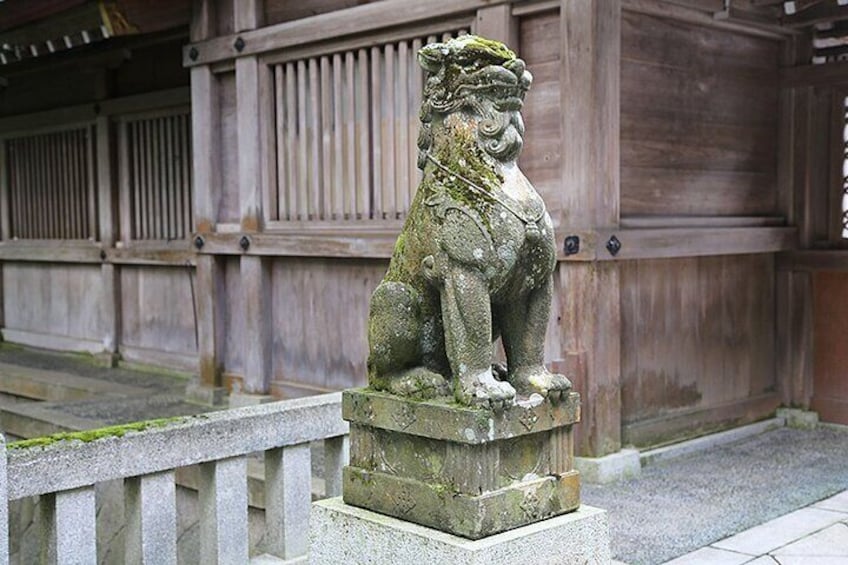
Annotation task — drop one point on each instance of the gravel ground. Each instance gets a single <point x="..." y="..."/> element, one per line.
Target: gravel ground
<point x="684" y="504"/>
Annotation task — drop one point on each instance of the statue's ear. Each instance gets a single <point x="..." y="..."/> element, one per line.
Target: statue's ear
<point x="431" y="56"/>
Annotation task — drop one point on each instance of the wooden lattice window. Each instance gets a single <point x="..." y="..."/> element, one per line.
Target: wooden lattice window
<point x="51" y="185"/>
<point x="844" y="162"/>
<point x="346" y="126"/>
<point x="156" y="175"/>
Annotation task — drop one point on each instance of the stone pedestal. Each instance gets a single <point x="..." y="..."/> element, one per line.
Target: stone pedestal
<point x="345" y="534"/>
<point x="470" y="472"/>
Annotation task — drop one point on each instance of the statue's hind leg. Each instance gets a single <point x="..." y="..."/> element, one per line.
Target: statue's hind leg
<point x="395" y="327"/>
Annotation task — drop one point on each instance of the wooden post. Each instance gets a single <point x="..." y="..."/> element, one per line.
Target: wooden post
<point x="206" y="135"/>
<point x="497" y="22"/>
<point x="591" y="319"/>
<point x="255" y="271"/>
<point x="110" y="306"/>
<point x="794" y="290"/>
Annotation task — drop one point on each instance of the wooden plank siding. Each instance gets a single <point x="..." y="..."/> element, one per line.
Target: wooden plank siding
<point x="699" y="115"/>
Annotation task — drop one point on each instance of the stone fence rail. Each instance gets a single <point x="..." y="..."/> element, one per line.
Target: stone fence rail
<point x="64" y="472"/>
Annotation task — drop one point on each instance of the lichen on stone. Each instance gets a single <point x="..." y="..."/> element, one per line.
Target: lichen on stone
<point x="87" y="436"/>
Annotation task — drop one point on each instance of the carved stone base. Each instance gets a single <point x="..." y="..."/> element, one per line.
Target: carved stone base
<point x="471" y="472"/>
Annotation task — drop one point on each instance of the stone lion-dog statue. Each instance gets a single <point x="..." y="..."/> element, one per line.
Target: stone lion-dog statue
<point x="475" y="258"/>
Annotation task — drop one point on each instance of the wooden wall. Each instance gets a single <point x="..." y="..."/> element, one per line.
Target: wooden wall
<point x="655" y="124"/>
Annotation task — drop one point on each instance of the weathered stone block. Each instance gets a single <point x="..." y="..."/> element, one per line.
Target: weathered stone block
<point x="345" y="534"/>
<point x="472" y="472"/>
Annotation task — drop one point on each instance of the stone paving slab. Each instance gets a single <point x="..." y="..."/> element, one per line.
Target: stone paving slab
<point x="712" y="556"/>
<point x="776" y="533"/>
<point x="829" y="542"/>
<point x="837" y="502"/>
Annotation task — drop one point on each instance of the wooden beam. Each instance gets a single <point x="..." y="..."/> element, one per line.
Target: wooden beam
<point x="794" y="363"/>
<point x="590" y="33"/>
<point x="25" y="124"/>
<point x="63" y="251"/>
<point x="823" y="12"/>
<point x="815" y="75"/>
<point x="661" y="9"/>
<point x="810" y="260"/>
<point x="304" y="244"/>
<point x="678" y="242"/>
<point x="359" y="19"/>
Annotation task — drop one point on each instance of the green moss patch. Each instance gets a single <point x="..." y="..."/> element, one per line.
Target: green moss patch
<point x="87" y="436"/>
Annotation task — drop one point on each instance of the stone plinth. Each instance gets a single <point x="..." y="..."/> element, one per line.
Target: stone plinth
<point x="471" y="472"/>
<point x="345" y="534"/>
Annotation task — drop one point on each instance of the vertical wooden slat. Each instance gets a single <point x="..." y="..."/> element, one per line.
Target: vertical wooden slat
<point x="136" y="182"/>
<point x="327" y="156"/>
<point x="61" y="185"/>
<point x="145" y="198"/>
<point x="47" y="187"/>
<point x="292" y="156"/>
<point x="71" y="183"/>
<point x="150" y="507"/>
<point x="170" y="195"/>
<point x="415" y="87"/>
<point x="91" y="196"/>
<point x="402" y="129"/>
<point x="339" y="188"/>
<point x="125" y="208"/>
<point x="223" y="511"/>
<point x="303" y="144"/>
<point x="288" y="487"/>
<point x="364" y="188"/>
<point x="159" y="163"/>
<point x="379" y="206"/>
<point x="5" y="217"/>
<point x="314" y="129"/>
<point x="32" y="200"/>
<point x="387" y="138"/>
<point x="280" y="129"/>
<point x="347" y="136"/>
<point x="188" y="177"/>
<point x="37" y="190"/>
<point x="12" y="182"/>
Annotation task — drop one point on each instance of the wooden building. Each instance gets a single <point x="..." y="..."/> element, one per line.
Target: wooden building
<point x="215" y="186"/>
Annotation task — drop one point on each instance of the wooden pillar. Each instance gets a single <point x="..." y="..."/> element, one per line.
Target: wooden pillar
<point x="794" y="290"/>
<point x="255" y="271"/>
<point x="497" y="22"/>
<point x="110" y="305"/>
<point x="591" y="320"/>
<point x="5" y="220"/>
<point x="206" y="153"/>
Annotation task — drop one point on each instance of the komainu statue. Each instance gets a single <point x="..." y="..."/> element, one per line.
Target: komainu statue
<point x="475" y="258"/>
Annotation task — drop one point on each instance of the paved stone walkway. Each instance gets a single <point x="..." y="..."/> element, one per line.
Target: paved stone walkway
<point x="815" y="535"/>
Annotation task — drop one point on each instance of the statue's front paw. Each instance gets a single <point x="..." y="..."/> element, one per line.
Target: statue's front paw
<point x="484" y="390"/>
<point x="539" y="380"/>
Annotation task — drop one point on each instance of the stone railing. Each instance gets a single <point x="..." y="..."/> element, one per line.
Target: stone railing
<point x="146" y="456"/>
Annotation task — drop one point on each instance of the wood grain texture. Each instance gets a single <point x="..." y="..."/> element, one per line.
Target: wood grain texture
<point x="698" y="119"/>
<point x="830" y="362"/>
<point x="61" y="300"/>
<point x="156" y="309"/>
<point x="698" y="333"/>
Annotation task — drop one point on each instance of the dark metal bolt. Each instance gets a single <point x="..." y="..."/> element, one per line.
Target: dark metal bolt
<point x="613" y="245"/>
<point x="102" y="254"/>
<point x="571" y="245"/>
<point x="97" y="109"/>
<point x="199" y="241"/>
<point x="239" y="44"/>
<point x="244" y="242"/>
<point x="193" y="53"/>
